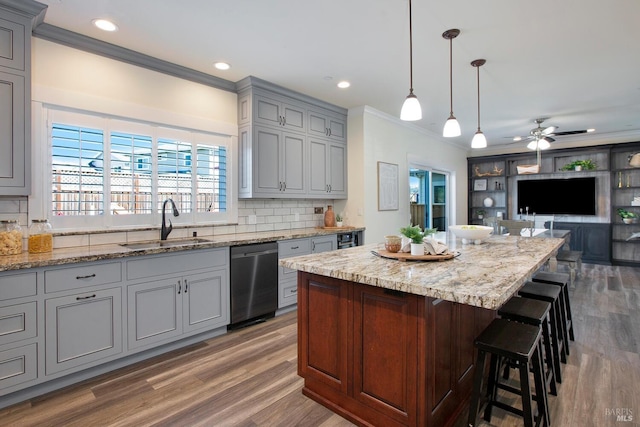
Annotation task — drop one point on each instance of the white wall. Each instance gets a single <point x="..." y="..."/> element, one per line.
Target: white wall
<point x="375" y="136"/>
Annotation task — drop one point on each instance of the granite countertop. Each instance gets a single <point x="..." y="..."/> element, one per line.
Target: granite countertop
<point x="484" y="275"/>
<point x="112" y="251"/>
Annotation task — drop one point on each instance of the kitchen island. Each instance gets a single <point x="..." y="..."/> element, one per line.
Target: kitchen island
<point x="384" y="342"/>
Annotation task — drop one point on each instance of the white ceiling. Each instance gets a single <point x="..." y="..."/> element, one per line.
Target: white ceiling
<point x="576" y="62"/>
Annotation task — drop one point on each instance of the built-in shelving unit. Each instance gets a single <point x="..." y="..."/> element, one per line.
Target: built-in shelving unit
<point x="625" y="187"/>
<point x="488" y="190"/>
<point x="604" y="238"/>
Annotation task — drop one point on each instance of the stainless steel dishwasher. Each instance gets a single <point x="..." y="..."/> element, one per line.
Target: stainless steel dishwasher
<point x="254" y="283"/>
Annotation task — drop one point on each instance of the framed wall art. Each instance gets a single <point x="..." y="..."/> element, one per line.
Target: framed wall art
<point x="387" y="187"/>
<point x="479" y="184"/>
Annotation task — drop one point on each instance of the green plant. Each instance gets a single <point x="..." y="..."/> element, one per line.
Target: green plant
<point x="339" y="218"/>
<point x="480" y="212"/>
<point x="414" y="233"/>
<point x="626" y="214"/>
<point x="585" y="164"/>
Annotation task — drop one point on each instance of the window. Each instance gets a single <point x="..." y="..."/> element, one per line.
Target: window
<point x="112" y="172"/>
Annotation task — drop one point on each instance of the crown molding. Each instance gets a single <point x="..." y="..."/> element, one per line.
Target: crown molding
<point x="78" y="41"/>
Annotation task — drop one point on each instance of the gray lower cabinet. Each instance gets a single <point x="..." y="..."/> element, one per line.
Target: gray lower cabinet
<point x="166" y="309"/>
<point x="327" y="168"/>
<point x="82" y="329"/>
<point x="287" y="278"/>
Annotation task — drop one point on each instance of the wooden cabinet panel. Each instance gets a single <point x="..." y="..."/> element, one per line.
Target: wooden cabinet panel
<point x="441" y="346"/>
<point x="384" y="364"/>
<point x="325" y="356"/>
<point x="82" y="329"/>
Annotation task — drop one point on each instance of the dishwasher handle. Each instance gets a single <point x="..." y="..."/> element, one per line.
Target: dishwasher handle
<point x="250" y="254"/>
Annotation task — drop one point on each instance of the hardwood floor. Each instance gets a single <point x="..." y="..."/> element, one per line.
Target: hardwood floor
<point x="248" y="377"/>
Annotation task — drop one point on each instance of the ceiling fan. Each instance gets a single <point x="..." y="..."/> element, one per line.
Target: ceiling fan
<point x="542" y="137"/>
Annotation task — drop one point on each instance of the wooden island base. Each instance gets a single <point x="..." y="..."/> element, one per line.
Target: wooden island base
<point x="385" y="358"/>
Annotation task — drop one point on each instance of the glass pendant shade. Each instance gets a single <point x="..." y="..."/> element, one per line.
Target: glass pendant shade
<point x="533" y="145"/>
<point x="411" y="110"/>
<point x="541" y="144"/>
<point x="451" y="127"/>
<point x="479" y="140"/>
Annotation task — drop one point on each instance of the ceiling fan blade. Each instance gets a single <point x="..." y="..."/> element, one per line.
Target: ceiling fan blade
<point x="569" y="132"/>
<point x="549" y="130"/>
<point x="548" y="139"/>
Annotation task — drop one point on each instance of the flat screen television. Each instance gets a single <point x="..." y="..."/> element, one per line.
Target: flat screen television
<point x="571" y="196"/>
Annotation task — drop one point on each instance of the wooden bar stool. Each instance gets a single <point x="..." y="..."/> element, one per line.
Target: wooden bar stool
<point x="536" y="313"/>
<point x="573" y="259"/>
<point x="519" y="344"/>
<point x="562" y="280"/>
<point x="550" y="294"/>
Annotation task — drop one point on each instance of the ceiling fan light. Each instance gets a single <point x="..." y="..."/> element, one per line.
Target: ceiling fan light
<point x="411" y="110"/>
<point x="543" y="144"/>
<point x="479" y="140"/>
<point x="451" y="128"/>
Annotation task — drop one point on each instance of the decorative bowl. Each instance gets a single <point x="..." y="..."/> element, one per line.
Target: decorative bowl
<point x="392" y="243"/>
<point x="471" y="233"/>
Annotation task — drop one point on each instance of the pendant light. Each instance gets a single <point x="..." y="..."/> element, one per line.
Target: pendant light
<point x="411" y="110"/>
<point x="479" y="140"/>
<point x="451" y="126"/>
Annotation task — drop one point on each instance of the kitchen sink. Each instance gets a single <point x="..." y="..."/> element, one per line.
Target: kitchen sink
<point x="155" y="244"/>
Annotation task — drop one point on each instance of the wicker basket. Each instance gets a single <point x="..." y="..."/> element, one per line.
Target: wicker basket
<point x="527" y="169"/>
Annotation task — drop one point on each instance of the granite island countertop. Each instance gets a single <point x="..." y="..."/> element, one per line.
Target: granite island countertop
<point x="484" y="275"/>
<point x="111" y="251"/>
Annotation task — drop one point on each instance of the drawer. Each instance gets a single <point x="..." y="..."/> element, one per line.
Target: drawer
<point x="288" y="294"/>
<point x="81" y="276"/>
<point x="177" y="263"/>
<point x="17" y="322"/>
<point x="18" y="366"/>
<point x="17" y="285"/>
<point x="294" y="247"/>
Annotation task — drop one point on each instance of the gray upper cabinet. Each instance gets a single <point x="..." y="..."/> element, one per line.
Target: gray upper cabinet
<point x="327" y="125"/>
<point x="277" y="155"/>
<point x="327" y="168"/>
<point x="269" y="111"/>
<point x="16" y="22"/>
<point x="279" y="162"/>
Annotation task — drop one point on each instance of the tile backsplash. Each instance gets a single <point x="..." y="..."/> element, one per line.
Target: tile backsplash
<point x="255" y="215"/>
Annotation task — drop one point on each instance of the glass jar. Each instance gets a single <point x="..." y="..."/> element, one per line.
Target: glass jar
<point x="40" y="237"/>
<point x="10" y="237"/>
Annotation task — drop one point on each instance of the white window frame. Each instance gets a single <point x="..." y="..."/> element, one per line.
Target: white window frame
<point x="44" y="115"/>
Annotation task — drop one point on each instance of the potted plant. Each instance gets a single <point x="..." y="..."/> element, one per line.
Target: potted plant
<point x="480" y="213"/>
<point x="627" y="217"/>
<point x="578" y="165"/>
<point x="416" y="236"/>
<point x="339" y="220"/>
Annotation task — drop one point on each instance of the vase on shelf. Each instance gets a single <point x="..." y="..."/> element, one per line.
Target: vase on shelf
<point x="329" y="217"/>
<point x="488" y="202"/>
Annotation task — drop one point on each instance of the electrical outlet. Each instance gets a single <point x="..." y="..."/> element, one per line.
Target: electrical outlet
<point x="318" y="210"/>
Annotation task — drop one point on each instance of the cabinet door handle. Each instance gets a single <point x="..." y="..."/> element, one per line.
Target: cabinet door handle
<point x="329" y="131"/>
<point x="87" y="297"/>
<point x="186" y="286"/>
<point x="284" y="120"/>
<point x="313" y="246"/>
<point x="179" y="287"/>
<point x="280" y="120"/>
<point x="89" y="276"/>
<point x="284" y="186"/>
<point x="294" y="247"/>
<point x="330" y="188"/>
<point x="294" y="291"/>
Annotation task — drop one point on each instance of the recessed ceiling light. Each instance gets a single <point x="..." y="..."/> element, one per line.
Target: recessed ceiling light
<point x="517" y="138"/>
<point x="591" y="130"/>
<point x="222" y="66"/>
<point x="105" y="24"/>
<point x="344" y="84"/>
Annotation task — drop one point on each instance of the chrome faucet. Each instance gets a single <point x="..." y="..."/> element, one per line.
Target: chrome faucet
<point x="164" y="231"/>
